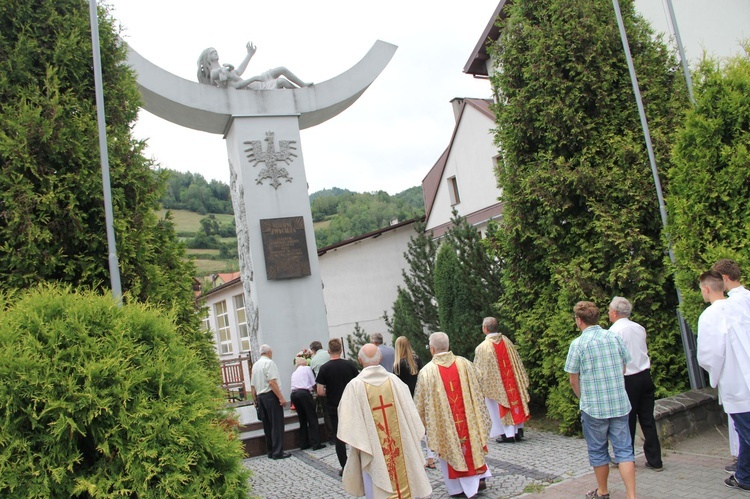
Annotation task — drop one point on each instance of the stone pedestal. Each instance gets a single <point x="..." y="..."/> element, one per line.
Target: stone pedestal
<point x="276" y="238"/>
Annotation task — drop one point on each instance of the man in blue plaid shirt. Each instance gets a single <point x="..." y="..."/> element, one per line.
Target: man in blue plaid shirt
<point x="596" y="364"/>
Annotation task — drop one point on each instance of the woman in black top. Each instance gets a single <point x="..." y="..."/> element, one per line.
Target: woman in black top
<point x="406" y="365"/>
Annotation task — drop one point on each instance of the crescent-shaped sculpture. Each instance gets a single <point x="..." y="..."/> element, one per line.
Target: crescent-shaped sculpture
<point x="210" y="109"/>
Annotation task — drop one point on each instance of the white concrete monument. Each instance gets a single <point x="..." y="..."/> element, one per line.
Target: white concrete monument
<point x="260" y="118"/>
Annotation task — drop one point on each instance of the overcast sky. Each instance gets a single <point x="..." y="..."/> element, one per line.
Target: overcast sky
<point x="391" y="137"/>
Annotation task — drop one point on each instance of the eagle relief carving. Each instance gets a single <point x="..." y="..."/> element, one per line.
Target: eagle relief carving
<point x="271" y="157"/>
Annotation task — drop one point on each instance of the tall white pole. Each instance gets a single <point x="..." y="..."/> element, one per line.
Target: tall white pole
<point x="688" y="340"/>
<point x="114" y="266"/>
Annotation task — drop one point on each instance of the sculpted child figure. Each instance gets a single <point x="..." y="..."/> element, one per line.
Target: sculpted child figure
<point x="211" y="72"/>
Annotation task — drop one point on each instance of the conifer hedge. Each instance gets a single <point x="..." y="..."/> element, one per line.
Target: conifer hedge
<point x="710" y="180"/>
<point x="581" y="218"/>
<point x="102" y="401"/>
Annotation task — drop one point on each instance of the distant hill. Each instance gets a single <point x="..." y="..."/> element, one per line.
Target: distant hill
<point x="352" y="214"/>
<point x="338" y="214"/>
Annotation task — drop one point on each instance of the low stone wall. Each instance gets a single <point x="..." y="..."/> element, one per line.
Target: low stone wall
<point x="688" y="413"/>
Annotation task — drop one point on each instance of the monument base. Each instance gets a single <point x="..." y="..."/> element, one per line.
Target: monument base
<point x="254" y="441"/>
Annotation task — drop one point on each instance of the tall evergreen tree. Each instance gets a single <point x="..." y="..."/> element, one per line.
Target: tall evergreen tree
<point x="709" y="184"/>
<point x="581" y="217"/>
<point x="467" y="285"/>
<point x="415" y="312"/>
<point x="52" y="224"/>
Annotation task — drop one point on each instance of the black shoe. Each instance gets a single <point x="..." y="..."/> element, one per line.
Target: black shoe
<point x="304" y="447"/>
<point x="519" y="435"/>
<point x="505" y="440"/>
<point x="732" y="483"/>
<point x="482" y="484"/>
<point x="283" y="456"/>
<point x="318" y="447"/>
<point x="655" y="468"/>
<point x="731" y="469"/>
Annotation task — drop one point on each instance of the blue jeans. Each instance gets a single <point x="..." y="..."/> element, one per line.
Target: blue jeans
<point x="599" y="432"/>
<point x="742" y="425"/>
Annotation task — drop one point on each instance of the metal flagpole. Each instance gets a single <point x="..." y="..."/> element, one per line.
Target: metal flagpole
<point x="681" y="48"/>
<point x="688" y="339"/>
<point x="114" y="266"/>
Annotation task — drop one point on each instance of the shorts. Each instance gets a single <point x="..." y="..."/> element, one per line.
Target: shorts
<point x="600" y="432"/>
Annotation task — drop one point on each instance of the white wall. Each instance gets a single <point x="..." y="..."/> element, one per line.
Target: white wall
<point x="716" y="26"/>
<point x="471" y="161"/>
<point x="360" y="281"/>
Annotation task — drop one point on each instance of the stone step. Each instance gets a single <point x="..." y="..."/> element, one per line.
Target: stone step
<point x="254" y="440"/>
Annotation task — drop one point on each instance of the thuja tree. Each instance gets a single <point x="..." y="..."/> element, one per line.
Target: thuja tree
<point x="415" y="311"/>
<point x="709" y="182"/>
<point x="105" y="401"/>
<point x="451" y="293"/>
<point x="467" y="285"/>
<point x="52" y="224"/>
<point x="581" y="220"/>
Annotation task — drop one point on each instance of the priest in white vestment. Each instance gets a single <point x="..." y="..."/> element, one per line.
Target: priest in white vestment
<point x="379" y="421"/>
<point x="450" y="401"/>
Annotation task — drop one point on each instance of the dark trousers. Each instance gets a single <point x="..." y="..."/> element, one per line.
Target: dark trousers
<point x="640" y="388"/>
<point x="340" y="446"/>
<point x="273" y="423"/>
<point x="742" y="425"/>
<point x="323" y="408"/>
<point x="308" y="418"/>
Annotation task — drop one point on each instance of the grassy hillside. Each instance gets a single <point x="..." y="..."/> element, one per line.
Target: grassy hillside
<point x="207" y="261"/>
<point x="188" y="222"/>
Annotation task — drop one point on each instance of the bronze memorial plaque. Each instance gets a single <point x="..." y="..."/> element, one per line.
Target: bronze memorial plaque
<point x="285" y="248"/>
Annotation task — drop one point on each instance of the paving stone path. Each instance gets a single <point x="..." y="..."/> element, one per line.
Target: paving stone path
<point x="543" y="465"/>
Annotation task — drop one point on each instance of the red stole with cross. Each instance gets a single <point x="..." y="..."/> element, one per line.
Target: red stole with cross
<point x="452" y="383"/>
<point x="511" y="385"/>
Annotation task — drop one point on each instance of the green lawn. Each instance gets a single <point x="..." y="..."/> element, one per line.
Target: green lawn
<point x="189" y="221"/>
<point x="206" y="267"/>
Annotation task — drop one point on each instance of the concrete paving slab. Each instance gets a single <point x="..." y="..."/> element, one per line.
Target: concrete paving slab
<point x="543" y="465"/>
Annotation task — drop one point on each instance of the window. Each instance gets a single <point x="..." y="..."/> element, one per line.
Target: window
<point x="239" y="309"/>
<point x="453" y="191"/>
<point x="222" y="328"/>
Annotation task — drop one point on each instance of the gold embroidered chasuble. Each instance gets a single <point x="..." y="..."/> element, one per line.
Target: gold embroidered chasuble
<point x="379" y="421"/>
<point x="432" y="403"/>
<point x="486" y="361"/>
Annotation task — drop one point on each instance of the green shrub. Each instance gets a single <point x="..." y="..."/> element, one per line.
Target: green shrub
<point x="709" y="183"/>
<point x="103" y="401"/>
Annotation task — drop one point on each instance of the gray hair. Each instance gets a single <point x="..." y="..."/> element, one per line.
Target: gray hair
<point x="264" y="349"/>
<point x="490" y="324"/>
<point x="376" y="338"/>
<point x="366" y="360"/>
<point x="621" y="306"/>
<point x="440" y="342"/>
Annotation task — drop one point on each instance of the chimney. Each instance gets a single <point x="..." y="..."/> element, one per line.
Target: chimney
<point x="458" y="104"/>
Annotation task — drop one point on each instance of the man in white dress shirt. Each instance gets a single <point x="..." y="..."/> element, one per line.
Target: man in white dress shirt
<point x="638" y="382"/>
<point x="724" y="352"/>
<point x="739" y="298"/>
